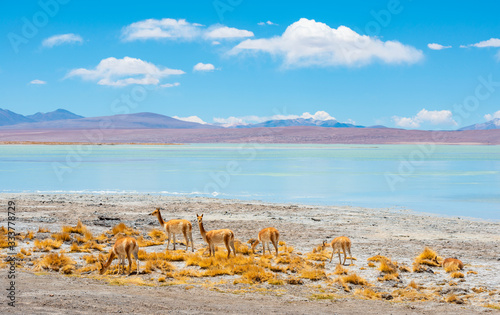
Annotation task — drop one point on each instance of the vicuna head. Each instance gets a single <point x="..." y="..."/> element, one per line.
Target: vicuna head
<point x="155" y="212"/>
<point x="324" y="245"/>
<point x="199" y="218"/>
<point x="102" y="268"/>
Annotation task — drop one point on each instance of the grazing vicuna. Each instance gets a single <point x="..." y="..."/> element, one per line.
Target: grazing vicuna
<point x="173" y="227"/>
<point x="214" y="237"/>
<point x="338" y="243"/>
<point x="125" y="247"/>
<point x="452" y="264"/>
<point x="267" y="235"/>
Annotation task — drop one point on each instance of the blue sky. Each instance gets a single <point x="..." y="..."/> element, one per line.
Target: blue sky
<point x="357" y="62"/>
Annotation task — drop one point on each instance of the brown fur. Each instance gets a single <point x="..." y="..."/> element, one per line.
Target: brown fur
<point x="448" y="262"/>
<point x="173" y="227"/>
<point x="224" y="236"/>
<point x="340" y="243"/>
<point x="267" y="235"/>
<point x="124" y="247"/>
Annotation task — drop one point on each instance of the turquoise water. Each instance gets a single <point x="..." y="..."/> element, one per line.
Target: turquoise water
<point x="441" y="179"/>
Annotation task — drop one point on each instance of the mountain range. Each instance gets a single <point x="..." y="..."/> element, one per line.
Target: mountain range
<point x="63" y="119"/>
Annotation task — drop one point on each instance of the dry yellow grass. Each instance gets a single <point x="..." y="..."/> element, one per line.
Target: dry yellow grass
<point x="29" y="235"/>
<point x="124" y="229"/>
<point x="278" y="268"/>
<point x="339" y="270"/>
<point x="389" y="277"/>
<point x="353" y="278"/>
<point x="158" y="265"/>
<point x="78" y="229"/>
<point x="76" y="249"/>
<point x="161" y="279"/>
<point x="318" y="256"/>
<point x="409" y="295"/>
<point x="56" y="262"/>
<point x="367" y="293"/>
<point x="256" y="274"/>
<point x="43" y="230"/>
<point x="312" y="274"/>
<point x="371" y="265"/>
<point x="242" y="248"/>
<point x="457" y="274"/>
<point x="472" y="272"/>
<point x="93" y="245"/>
<point x="65" y="237"/>
<point x="157" y="234"/>
<point x="377" y="258"/>
<point x="47" y="245"/>
<point x="495" y="306"/>
<point x="387" y="266"/>
<point x="90" y="259"/>
<point x="25" y="252"/>
<point x="413" y="285"/>
<point x="428" y="257"/>
<point x="145" y="243"/>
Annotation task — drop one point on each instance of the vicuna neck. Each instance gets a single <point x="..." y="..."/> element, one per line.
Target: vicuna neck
<point x="202" y="231"/>
<point x="160" y="219"/>
<point x="111" y="257"/>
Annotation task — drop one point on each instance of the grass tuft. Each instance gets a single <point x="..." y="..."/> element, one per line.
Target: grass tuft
<point x="428" y="257"/>
<point x="55" y="262"/>
<point x="457" y="274"/>
<point x="47" y="245"/>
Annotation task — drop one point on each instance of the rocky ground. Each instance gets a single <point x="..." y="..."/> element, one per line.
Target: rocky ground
<point x="398" y="235"/>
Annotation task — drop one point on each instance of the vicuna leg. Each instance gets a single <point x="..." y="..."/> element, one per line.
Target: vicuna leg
<point x="331" y="258"/>
<point x="136" y="256"/>
<point x="275" y="243"/>
<point x="345" y="254"/>
<point x="129" y="262"/>
<point x="168" y="239"/>
<point x="226" y="242"/>
<point x="340" y="259"/>
<point x="350" y="255"/>
<point x="186" y="239"/>
<point x="174" y="240"/>
<point x="232" y="246"/>
<point x="191" y="238"/>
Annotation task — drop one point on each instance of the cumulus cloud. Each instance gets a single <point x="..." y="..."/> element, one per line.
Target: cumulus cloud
<point x="435" y="46"/>
<point x="245" y="120"/>
<point x="195" y="119"/>
<point x="38" y="82"/>
<point x="164" y="28"/>
<point x="266" y="23"/>
<point x="492" y="42"/>
<point x="61" y="39"/>
<point x="489" y="117"/>
<point x="121" y="72"/>
<point x="168" y="85"/>
<point x="433" y="117"/>
<point x="179" y="29"/>
<point x="203" y="67"/>
<point x="310" y="43"/>
<point x="224" y="32"/>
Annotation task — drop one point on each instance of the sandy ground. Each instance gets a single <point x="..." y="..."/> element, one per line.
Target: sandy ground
<point x="400" y="235"/>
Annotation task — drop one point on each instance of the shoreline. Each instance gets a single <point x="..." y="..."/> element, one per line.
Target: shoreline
<point x="399" y="235"/>
<point x="195" y="198"/>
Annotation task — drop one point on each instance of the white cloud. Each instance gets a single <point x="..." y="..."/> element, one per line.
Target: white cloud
<point x="179" y="29"/>
<point x="203" y="67"/>
<point x="122" y="72"/>
<point x="224" y="32"/>
<point x="492" y="42"/>
<point x="433" y="117"/>
<point x="489" y="117"/>
<point x="164" y="28"/>
<point x="266" y="23"/>
<point x="215" y="42"/>
<point x="245" y="120"/>
<point x="310" y="43"/>
<point x="168" y="85"/>
<point x="60" y="39"/>
<point x="435" y="46"/>
<point x="195" y="119"/>
<point x="38" y="82"/>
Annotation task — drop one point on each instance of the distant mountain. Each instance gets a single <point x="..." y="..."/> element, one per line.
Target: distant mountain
<point x="58" y="114"/>
<point x="126" y="121"/>
<point x="492" y="124"/>
<point x="301" y="122"/>
<point x="10" y="118"/>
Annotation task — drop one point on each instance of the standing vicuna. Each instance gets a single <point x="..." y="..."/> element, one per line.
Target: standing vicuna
<point x="124" y="247"/>
<point x="173" y="227"/>
<point x="266" y="235"/>
<point x="338" y="243"/>
<point x="214" y="237"/>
